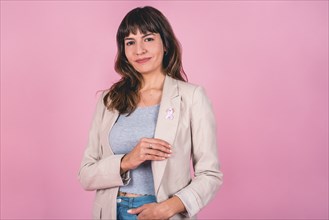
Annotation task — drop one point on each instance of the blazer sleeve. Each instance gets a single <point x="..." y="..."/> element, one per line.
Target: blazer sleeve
<point x="207" y="176"/>
<point x="95" y="171"/>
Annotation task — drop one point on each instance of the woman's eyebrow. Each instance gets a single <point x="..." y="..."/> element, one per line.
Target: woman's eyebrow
<point x="148" y="35"/>
<point x="129" y="38"/>
<point x="145" y="35"/>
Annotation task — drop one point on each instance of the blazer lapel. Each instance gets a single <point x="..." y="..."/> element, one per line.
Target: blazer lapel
<point x="108" y="121"/>
<point x="167" y="123"/>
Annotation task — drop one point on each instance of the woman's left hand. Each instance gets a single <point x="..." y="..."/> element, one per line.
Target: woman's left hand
<point x="150" y="211"/>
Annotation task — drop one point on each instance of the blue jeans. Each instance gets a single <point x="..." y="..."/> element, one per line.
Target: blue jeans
<point x="126" y="203"/>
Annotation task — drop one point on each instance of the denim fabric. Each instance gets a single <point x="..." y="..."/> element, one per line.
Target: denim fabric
<point x="126" y="203"/>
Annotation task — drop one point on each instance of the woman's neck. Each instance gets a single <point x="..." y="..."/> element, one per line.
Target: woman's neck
<point x="153" y="81"/>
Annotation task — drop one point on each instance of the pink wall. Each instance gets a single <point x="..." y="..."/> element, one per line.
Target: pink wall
<point x="264" y="65"/>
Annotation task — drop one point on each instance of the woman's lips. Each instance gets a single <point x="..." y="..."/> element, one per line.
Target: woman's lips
<point x="144" y="60"/>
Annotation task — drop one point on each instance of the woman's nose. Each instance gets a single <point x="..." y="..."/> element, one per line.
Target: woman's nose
<point x="140" y="49"/>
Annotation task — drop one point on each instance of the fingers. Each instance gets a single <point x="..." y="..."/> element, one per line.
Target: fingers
<point x="154" y="149"/>
<point x="152" y="157"/>
<point x="136" y="211"/>
<point x="156" y="144"/>
<point x="146" y="156"/>
<point x="156" y="141"/>
<point x="159" y="147"/>
<point x="158" y="153"/>
<point x="146" y="149"/>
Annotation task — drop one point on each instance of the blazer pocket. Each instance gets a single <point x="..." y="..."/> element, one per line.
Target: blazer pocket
<point x="97" y="211"/>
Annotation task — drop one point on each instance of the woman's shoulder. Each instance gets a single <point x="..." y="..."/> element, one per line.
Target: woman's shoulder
<point x="191" y="91"/>
<point x="188" y="88"/>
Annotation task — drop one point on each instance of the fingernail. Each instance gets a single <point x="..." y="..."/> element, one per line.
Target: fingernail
<point x="129" y="210"/>
<point x="170" y="146"/>
<point x="168" y="155"/>
<point x="170" y="151"/>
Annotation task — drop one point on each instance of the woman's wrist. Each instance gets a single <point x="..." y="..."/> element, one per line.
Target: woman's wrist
<point x="124" y="167"/>
<point x="172" y="206"/>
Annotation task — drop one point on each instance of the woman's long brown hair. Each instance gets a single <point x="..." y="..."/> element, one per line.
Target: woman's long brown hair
<point x="123" y="95"/>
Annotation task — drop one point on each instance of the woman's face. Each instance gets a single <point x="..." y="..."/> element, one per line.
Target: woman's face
<point x="145" y="52"/>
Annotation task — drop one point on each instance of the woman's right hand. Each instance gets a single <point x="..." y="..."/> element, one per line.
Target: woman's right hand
<point x="146" y="149"/>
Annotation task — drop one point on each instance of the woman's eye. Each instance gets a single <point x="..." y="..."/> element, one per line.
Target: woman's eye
<point x="149" y="39"/>
<point x="129" y="43"/>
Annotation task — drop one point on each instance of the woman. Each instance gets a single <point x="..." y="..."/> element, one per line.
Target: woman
<point x="146" y="129"/>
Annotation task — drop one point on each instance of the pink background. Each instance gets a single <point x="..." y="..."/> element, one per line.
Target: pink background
<point x="264" y="65"/>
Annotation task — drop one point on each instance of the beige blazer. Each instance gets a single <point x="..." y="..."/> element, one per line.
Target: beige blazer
<point x="190" y="129"/>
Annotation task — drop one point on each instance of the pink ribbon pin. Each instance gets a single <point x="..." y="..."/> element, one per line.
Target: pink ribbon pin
<point x="170" y="113"/>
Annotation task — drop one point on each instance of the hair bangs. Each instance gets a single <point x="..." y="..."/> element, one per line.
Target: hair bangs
<point x="141" y="21"/>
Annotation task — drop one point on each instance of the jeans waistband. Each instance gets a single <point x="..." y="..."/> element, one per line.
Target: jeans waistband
<point x="144" y="199"/>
